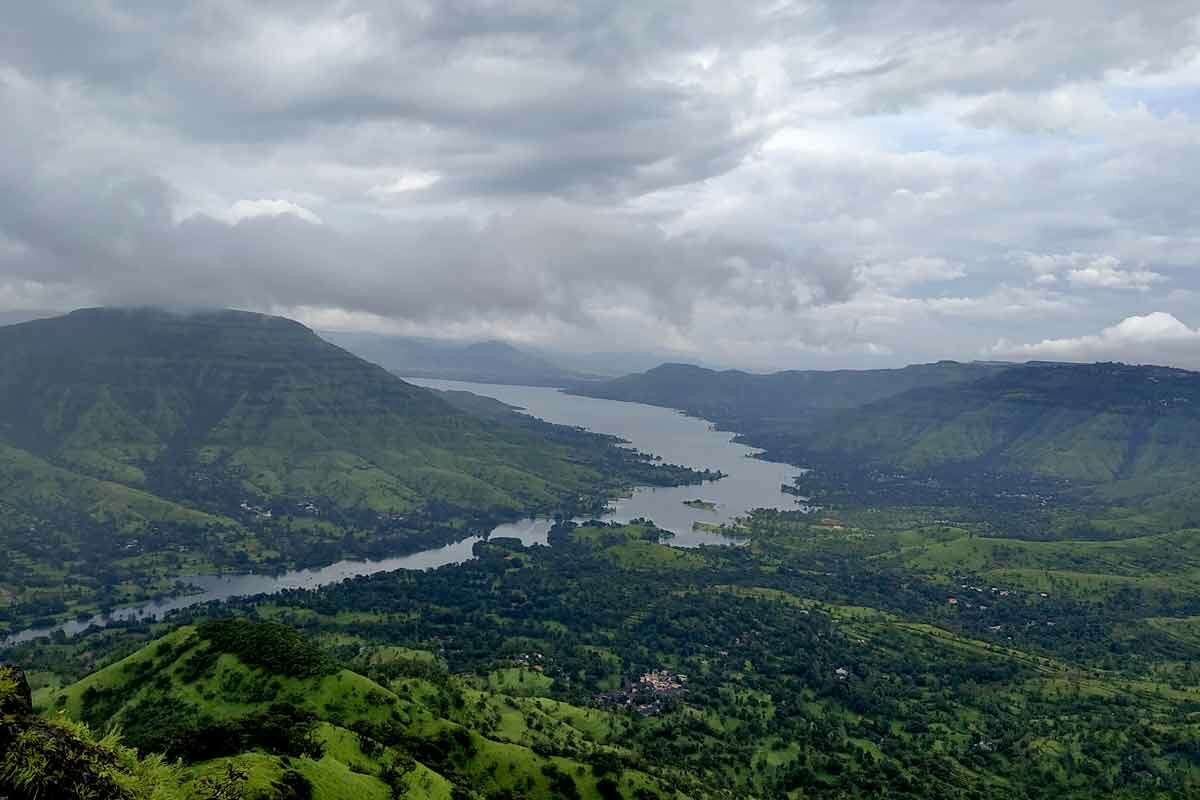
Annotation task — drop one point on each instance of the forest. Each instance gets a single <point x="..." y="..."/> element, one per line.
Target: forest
<point x="833" y="657"/>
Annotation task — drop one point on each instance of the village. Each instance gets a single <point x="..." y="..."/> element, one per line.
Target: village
<point x="649" y="695"/>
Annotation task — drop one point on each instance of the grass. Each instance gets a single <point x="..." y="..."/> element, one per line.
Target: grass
<point x="502" y="723"/>
<point x="519" y="681"/>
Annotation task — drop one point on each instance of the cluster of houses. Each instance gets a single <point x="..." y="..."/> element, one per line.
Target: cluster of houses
<point x="649" y="694"/>
<point x="533" y="661"/>
<point x="303" y="507"/>
<point x="258" y="511"/>
<point x="992" y="591"/>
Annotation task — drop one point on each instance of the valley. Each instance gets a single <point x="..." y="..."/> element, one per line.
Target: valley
<point x="892" y="617"/>
<point x="747" y="483"/>
<point x="140" y="446"/>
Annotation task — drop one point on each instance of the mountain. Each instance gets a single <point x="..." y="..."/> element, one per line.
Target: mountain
<point x="759" y="405"/>
<point x="612" y="363"/>
<point x="1133" y="430"/>
<point x="1137" y="427"/>
<point x="483" y="362"/>
<point x="147" y="443"/>
<point x="15" y="317"/>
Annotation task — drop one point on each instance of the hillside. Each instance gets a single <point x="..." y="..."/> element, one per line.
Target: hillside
<point x="778" y="394"/>
<point x="748" y="402"/>
<point x="258" y="701"/>
<point x="1131" y="429"/>
<point x="56" y="758"/>
<point x="483" y="362"/>
<point x="1134" y="428"/>
<point x="145" y="444"/>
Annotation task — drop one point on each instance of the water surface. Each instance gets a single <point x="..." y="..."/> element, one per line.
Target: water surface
<point x="678" y="439"/>
<point x="749" y="483"/>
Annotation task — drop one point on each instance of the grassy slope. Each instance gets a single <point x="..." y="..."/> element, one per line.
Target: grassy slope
<point x="501" y="728"/>
<point x="125" y="395"/>
<point x="1088" y="423"/>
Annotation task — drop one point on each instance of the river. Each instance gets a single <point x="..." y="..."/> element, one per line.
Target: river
<point x="749" y="483"/>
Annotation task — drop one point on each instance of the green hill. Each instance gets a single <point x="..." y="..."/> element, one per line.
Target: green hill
<point x="256" y="700"/>
<point x="759" y="406"/>
<point x="140" y="444"/>
<point x="251" y="404"/>
<point x="1133" y="428"/>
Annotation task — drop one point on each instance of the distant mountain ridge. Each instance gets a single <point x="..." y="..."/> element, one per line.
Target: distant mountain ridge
<point x="734" y="397"/>
<point x="1134" y="429"/>
<point x="1087" y="423"/>
<point x="491" y="361"/>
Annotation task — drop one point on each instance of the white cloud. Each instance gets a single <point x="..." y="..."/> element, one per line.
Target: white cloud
<point x="1089" y="271"/>
<point x="408" y="182"/>
<point x="1155" y="338"/>
<point x="778" y="183"/>
<point x="249" y="209"/>
<point x="912" y="271"/>
<point x="1109" y="277"/>
<point x="1006" y="302"/>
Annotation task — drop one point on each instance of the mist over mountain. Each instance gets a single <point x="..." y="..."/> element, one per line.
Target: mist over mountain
<point x="490" y="361"/>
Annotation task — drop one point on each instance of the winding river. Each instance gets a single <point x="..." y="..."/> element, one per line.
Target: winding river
<point x="749" y="483"/>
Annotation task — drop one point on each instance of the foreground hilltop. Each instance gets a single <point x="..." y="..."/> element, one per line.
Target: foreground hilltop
<point x="141" y="443"/>
<point x="822" y="660"/>
<point x="257" y="711"/>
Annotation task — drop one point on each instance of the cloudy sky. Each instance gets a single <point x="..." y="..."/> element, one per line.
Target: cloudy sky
<point x="769" y="184"/>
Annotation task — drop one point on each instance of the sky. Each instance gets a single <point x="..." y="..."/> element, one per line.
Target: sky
<point x="765" y="184"/>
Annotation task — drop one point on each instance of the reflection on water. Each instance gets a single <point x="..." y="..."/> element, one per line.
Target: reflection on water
<point x="750" y="483"/>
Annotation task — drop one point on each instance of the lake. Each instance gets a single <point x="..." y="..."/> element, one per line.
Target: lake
<point x="749" y="483"/>
<point x="678" y="439"/>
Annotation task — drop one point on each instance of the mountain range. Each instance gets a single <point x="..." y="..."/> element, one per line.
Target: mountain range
<point x="489" y="361"/>
<point x="1131" y="429"/>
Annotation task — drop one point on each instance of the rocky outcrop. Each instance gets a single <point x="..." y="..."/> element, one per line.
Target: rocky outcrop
<point x="15" y="695"/>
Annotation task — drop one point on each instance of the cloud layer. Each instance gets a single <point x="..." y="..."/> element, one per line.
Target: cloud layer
<point x="770" y="184"/>
<point x="1150" y="339"/>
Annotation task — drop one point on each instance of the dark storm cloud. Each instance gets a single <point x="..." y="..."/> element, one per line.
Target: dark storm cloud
<point x="769" y="181"/>
<point x="566" y="97"/>
<point x="115" y="233"/>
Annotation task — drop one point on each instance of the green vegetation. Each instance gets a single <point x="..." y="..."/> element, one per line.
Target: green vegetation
<point x="1000" y="597"/>
<point x="1084" y="423"/>
<point x="288" y="730"/>
<point x="822" y="659"/>
<point x="55" y="758"/>
<point x="936" y="433"/>
<point x="139" y="445"/>
<point x="739" y="399"/>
